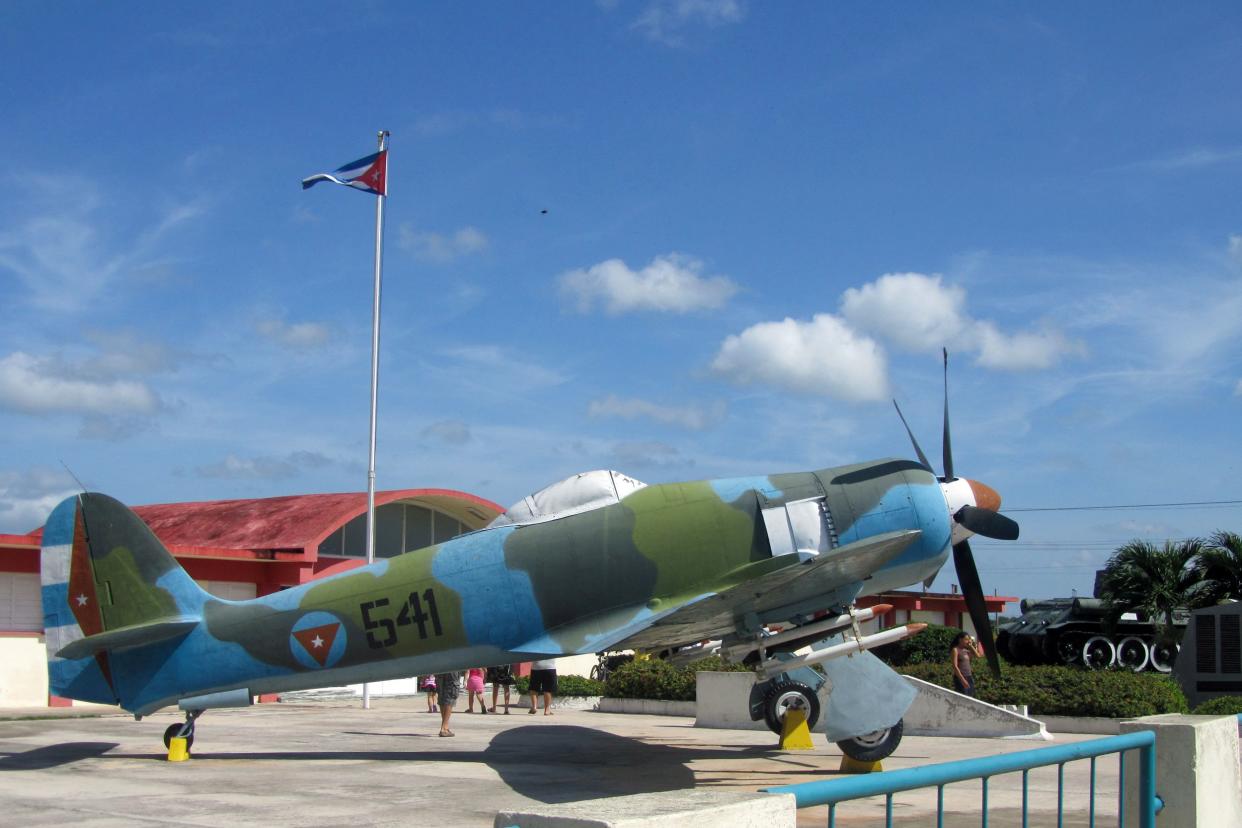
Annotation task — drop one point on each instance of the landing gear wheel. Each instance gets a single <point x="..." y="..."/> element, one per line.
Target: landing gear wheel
<point x="1162" y="656"/>
<point x="789" y="695"/>
<point x="874" y="746"/>
<point x="1132" y="653"/>
<point x="175" y="730"/>
<point x="1098" y="653"/>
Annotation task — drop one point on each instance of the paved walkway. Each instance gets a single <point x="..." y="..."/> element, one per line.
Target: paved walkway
<point x="332" y="763"/>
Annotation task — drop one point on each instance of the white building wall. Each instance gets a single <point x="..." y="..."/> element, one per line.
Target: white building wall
<point x="23" y="677"/>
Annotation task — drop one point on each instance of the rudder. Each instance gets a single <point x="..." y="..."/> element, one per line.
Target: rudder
<point x="108" y="583"/>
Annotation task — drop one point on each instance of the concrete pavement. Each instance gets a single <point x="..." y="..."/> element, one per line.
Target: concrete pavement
<point x="332" y="763"/>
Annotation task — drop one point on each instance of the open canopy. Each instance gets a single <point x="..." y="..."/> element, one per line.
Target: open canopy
<point x="588" y="490"/>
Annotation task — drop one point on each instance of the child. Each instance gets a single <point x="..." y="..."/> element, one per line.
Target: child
<point x="429" y="684"/>
<point x="474" y="687"/>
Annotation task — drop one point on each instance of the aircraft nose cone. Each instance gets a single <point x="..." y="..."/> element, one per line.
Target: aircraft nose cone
<point x="985" y="496"/>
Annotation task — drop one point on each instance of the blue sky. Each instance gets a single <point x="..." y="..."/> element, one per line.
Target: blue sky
<point x="763" y="222"/>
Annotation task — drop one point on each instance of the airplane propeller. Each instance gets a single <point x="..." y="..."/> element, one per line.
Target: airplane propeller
<point x="979" y="519"/>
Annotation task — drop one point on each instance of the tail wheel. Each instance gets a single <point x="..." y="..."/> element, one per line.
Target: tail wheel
<point x="1098" y="653"/>
<point x="1132" y="653"/>
<point x="790" y="695"/>
<point x="175" y="730"/>
<point x="874" y="746"/>
<point x="1162" y="655"/>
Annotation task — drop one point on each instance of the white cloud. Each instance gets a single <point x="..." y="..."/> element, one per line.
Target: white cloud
<point x="1237" y="389"/>
<point x="452" y="432"/>
<point x="917" y="312"/>
<point x="663" y="21"/>
<point x="296" y="335"/>
<point x="649" y="455"/>
<point x="1024" y="351"/>
<point x="62" y="253"/>
<point x="39" y="385"/>
<point x="824" y="356"/>
<point x="672" y="283"/>
<point x="441" y="248"/>
<point x="489" y="361"/>
<point x="1235" y="248"/>
<point x="914" y="311"/>
<point x="695" y="418"/>
<point x="27" y="498"/>
<point x="292" y="464"/>
<point x="1197" y="158"/>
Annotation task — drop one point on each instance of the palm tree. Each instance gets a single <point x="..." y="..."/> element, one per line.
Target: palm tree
<point x="1155" y="580"/>
<point x="1221" y="564"/>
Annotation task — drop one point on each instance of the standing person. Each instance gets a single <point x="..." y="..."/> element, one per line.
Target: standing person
<point x="500" y="676"/>
<point x="964" y="649"/>
<point x="446" y="688"/>
<point x="429" y="684"/>
<point x="474" y="687"/>
<point x="542" y="681"/>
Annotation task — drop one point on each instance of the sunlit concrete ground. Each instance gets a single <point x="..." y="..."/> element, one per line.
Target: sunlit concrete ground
<point x="332" y="763"/>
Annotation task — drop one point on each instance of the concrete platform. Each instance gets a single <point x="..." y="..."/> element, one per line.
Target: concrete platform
<point x="332" y="763"/>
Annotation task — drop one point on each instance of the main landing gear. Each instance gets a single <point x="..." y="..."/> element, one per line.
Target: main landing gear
<point x="185" y="730"/>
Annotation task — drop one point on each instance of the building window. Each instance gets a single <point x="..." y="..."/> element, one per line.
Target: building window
<point x="399" y="527"/>
<point x="21" y="602"/>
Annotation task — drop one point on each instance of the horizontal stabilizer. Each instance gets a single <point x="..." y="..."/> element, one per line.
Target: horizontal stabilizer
<point x="792" y="585"/>
<point x="136" y="635"/>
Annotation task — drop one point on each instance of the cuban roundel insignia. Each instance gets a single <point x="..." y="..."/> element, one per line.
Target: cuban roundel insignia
<point x="317" y="640"/>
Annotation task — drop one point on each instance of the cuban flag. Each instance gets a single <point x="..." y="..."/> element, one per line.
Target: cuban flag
<point x="368" y="174"/>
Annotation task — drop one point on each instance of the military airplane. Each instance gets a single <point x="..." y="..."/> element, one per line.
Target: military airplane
<point x="596" y="562"/>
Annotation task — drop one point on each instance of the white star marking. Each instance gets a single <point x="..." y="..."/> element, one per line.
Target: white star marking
<point x="82" y="599"/>
<point x="317" y="641"/>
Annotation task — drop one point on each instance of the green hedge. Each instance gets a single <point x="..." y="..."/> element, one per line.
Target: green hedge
<point x="931" y="645"/>
<point x="655" y="679"/>
<point x="1066" y="691"/>
<point x="566" y="686"/>
<point x="1220" y="706"/>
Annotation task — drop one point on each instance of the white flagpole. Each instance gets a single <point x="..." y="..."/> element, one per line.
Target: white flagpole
<point x="375" y="332"/>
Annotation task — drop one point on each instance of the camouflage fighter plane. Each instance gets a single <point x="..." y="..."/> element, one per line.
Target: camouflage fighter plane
<point x="597" y="562"/>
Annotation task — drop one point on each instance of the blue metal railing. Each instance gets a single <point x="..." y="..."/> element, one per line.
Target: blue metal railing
<point x="830" y="792"/>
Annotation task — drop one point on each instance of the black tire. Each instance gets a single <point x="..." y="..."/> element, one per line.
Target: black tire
<point x="872" y="747"/>
<point x="1132" y="653"/>
<point x="1069" y="649"/>
<point x="175" y="730"/>
<point x="785" y="695"/>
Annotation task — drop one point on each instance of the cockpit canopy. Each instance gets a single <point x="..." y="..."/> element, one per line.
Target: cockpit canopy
<point x="588" y="490"/>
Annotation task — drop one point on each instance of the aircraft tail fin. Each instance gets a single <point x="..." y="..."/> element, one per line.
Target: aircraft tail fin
<point x="108" y="584"/>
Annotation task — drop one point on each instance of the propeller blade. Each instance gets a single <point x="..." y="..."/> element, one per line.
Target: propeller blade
<point x="917" y="449"/>
<point x="972" y="590"/>
<point x="987" y="523"/>
<point x="948" y="444"/>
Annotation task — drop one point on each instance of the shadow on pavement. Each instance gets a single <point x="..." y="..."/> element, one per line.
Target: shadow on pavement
<point x="53" y="756"/>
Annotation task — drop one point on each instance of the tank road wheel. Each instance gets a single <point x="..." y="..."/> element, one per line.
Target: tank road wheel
<point x="1132" y="653"/>
<point x="1162" y="655"/>
<point x="874" y="746"/>
<point x="1068" y="649"/>
<point x="1098" y="653"/>
<point x="790" y="695"/>
<point x="175" y="730"/>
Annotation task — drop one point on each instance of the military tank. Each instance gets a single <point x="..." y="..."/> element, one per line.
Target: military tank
<point x="1074" y="631"/>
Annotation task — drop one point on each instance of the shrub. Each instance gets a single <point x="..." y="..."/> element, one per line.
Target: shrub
<point x="929" y="646"/>
<point x="1220" y="706"/>
<point x="565" y="686"/>
<point x="577" y="686"/>
<point x="655" y="679"/>
<point x="1066" y="691"/>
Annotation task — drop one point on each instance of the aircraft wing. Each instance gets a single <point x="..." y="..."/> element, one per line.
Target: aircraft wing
<point x="715" y="615"/>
